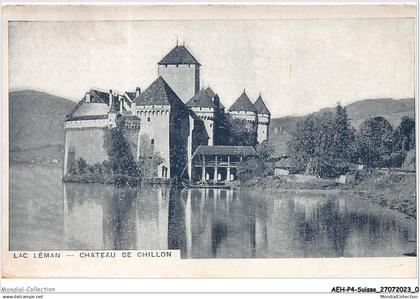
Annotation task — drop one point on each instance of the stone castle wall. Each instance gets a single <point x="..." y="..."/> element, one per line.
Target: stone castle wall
<point x="84" y="143"/>
<point x="85" y="139"/>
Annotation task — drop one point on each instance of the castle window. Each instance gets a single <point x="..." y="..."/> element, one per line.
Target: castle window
<point x="152" y="141"/>
<point x="200" y="108"/>
<point x="148" y="119"/>
<point x="211" y="125"/>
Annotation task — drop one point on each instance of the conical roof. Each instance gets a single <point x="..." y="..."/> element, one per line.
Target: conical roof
<point x="158" y="93"/>
<point x="261" y="107"/>
<point x="179" y="55"/>
<point x="243" y="103"/>
<point x="201" y="99"/>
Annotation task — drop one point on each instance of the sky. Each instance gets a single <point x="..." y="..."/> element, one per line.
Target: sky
<point x="299" y="66"/>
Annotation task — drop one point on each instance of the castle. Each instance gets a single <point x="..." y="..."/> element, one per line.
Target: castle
<point x="172" y="118"/>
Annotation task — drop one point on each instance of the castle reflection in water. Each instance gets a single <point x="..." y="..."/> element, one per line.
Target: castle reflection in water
<point x="205" y="223"/>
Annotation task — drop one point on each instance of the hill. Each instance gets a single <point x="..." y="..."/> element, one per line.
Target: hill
<point x="36" y="125"/>
<point x="393" y="110"/>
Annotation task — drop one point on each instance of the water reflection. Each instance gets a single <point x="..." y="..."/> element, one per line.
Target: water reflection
<point x="205" y="223"/>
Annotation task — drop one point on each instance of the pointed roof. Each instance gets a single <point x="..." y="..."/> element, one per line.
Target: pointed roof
<point x="201" y="99"/>
<point x="243" y="103"/>
<point x="179" y="55"/>
<point x="261" y="107"/>
<point x="158" y="93"/>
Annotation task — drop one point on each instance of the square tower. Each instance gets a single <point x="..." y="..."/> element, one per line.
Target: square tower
<point x="181" y="71"/>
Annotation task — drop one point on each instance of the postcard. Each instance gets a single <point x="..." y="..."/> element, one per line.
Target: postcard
<point x="209" y="141"/>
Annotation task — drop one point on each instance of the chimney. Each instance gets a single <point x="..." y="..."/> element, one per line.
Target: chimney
<point x="138" y="91"/>
<point x="110" y="98"/>
<point x="87" y="97"/>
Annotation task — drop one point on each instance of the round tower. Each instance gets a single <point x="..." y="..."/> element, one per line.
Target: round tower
<point x="264" y="116"/>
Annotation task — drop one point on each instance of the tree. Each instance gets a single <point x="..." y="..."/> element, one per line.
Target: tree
<point x="251" y="169"/>
<point x="302" y="145"/>
<point x="322" y="144"/>
<point x="82" y="165"/>
<point x="374" y="142"/>
<point x="264" y="150"/>
<point x="121" y="160"/>
<point x="405" y="135"/>
<point x="234" y="131"/>
<point x="242" y="133"/>
<point x="344" y="137"/>
<point x="222" y="128"/>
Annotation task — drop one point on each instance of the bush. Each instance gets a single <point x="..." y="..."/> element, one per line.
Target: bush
<point x="251" y="169"/>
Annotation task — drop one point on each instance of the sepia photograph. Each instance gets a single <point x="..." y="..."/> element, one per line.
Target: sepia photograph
<point x="217" y="138"/>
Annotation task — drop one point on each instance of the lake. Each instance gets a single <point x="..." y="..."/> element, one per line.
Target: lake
<point x="46" y="214"/>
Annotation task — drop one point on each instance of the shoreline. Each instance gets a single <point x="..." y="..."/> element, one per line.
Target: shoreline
<point x="119" y="180"/>
<point x="397" y="191"/>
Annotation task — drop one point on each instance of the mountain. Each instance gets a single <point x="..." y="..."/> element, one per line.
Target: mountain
<point x="36" y="125"/>
<point x="393" y="110"/>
